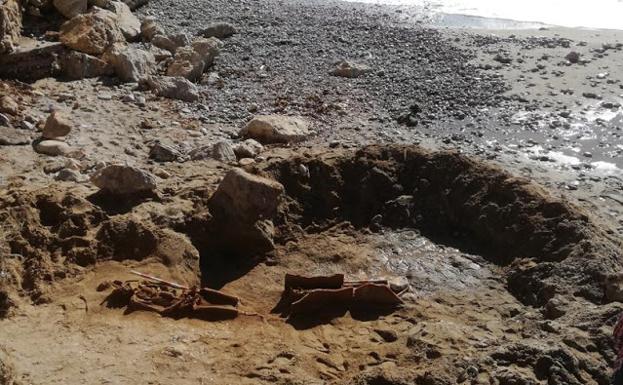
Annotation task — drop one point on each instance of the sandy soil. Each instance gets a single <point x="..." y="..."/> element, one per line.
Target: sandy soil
<point x="508" y="244"/>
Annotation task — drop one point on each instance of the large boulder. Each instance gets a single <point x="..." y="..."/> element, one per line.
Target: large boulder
<point x="130" y="64"/>
<point x="171" y="87"/>
<point x="70" y="8"/>
<point x="276" y="129"/>
<point x="77" y="65"/>
<point x="124" y="180"/>
<point x="128" y="23"/>
<point x="243" y="208"/>
<point x="10" y="24"/>
<point x="91" y="33"/>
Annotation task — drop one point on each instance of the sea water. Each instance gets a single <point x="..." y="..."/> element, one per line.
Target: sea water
<point x="567" y="13"/>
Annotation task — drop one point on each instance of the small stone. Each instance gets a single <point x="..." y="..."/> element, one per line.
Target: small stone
<point x="4" y="120"/>
<point x="387" y="335"/>
<point x="573" y="57"/>
<point x="124" y="180"/>
<point x="276" y="129"/>
<point x="57" y="125"/>
<point x="150" y="28"/>
<point x="8" y="105"/>
<point x="171" y="87"/>
<point x="250" y="148"/>
<point x="348" y="69"/>
<point x="218" y="30"/>
<point x="68" y="175"/>
<point x="52" y="147"/>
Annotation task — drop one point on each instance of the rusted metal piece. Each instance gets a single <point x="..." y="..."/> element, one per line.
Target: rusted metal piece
<point x="173" y="300"/>
<point x="308" y="295"/>
<point x="321" y="282"/>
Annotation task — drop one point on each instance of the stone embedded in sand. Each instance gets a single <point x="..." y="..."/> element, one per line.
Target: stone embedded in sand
<point x="349" y="69"/>
<point x="128" y="23"/>
<point x="77" y="65"/>
<point x="10" y="25"/>
<point x="57" y="125"/>
<point x="13" y="137"/>
<point x="52" y="147"/>
<point x="150" y="28"/>
<point x="70" y="8"/>
<point x="171" y="87"/>
<point x="242" y="210"/>
<point x="250" y="148"/>
<point x="276" y="129"/>
<point x="124" y="180"/>
<point x="8" y="105"/>
<point x="221" y="151"/>
<point x="573" y="57"/>
<point x="130" y="64"/>
<point x="91" y="33"/>
<point x="218" y="30"/>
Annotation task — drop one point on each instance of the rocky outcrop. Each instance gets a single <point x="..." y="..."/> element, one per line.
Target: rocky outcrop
<point x="10" y="24"/>
<point x="91" y="33"/>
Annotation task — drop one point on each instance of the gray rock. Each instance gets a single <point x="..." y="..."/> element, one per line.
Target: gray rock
<point x="172" y="42"/>
<point x="573" y="57"/>
<point x="12" y="137"/>
<point x="348" y="69"/>
<point x="57" y="125"/>
<point x="77" y="65"/>
<point x="276" y="129"/>
<point x="128" y="23"/>
<point x="164" y="153"/>
<point x="150" y="28"/>
<point x="130" y="64"/>
<point x="68" y="175"/>
<point x="250" y="148"/>
<point x="70" y="8"/>
<point x="124" y="180"/>
<point x="52" y="147"/>
<point x="171" y="87"/>
<point x="221" y="151"/>
<point x="218" y="30"/>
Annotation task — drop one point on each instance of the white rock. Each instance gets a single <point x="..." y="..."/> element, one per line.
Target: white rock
<point x="52" y="147"/>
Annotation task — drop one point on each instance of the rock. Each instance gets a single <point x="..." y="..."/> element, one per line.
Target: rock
<point x="124" y="180"/>
<point x="12" y="137"/>
<point x="4" y="120"/>
<point x="172" y="42"/>
<point x="70" y="8"/>
<point x="135" y="4"/>
<point x="164" y="153"/>
<point x="501" y="58"/>
<point x="150" y="28"/>
<point x="171" y="87"/>
<point x="128" y="23"/>
<point x="68" y="175"/>
<point x="207" y="48"/>
<point x="51" y="147"/>
<point x="250" y="148"/>
<point x="221" y="151"/>
<point x="187" y="63"/>
<point x="614" y="287"/>
<point x="91" y="33"/>
<point x="348" y="69"/>
<point x="130" y="64"/>
<point x="242" y="210"/>
<point x="218" y="30"/>
<point x="57" y="125"/>
<point x="387" y="335"/>
<point x="77" y="65"/>
<point x="10" y="25"/>
<point x="160" y="54"/>
<point x="32" y="63"/>
<point x="276" y="129"/>
<point x="573" y="57"/>
<point x="8" y="105"/>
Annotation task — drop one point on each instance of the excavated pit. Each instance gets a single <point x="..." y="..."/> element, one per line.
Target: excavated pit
<point x="463" y="212"/>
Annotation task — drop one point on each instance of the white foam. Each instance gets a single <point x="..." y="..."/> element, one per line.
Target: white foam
<point x="567" y="13"/>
